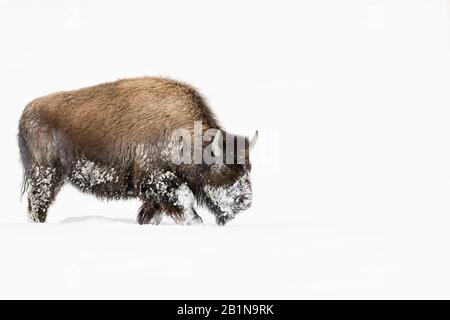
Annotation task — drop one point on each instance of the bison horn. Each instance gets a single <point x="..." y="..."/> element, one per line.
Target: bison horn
<point x="253" y="141"/>
<point x="217" y="150"/>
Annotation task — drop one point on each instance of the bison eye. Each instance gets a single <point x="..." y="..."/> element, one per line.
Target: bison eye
<point x="226" y="172"/>
<point x="243" y="201"/>
<point x="240" y="200"/>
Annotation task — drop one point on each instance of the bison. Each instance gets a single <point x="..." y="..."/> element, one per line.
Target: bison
<point x="117" y="141"/>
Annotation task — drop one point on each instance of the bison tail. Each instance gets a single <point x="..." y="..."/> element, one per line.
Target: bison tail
<point x="24" y="185"/>
<point x="25" y="157"/>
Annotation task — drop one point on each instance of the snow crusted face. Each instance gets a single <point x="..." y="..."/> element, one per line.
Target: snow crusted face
<point x="230" y="200"/>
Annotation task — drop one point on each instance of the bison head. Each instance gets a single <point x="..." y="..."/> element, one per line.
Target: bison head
<point x="227" y="187"/>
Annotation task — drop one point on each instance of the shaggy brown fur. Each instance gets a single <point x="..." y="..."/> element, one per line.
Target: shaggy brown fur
<point x="111" y="119"/>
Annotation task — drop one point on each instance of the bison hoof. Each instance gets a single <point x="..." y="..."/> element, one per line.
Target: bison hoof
<point x="196" y="221"/>
<point x="36" y="218"/>
<point x="222" y="220"/>
<point x="156" y="219"/>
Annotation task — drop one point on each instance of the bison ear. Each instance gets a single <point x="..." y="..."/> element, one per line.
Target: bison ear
<point x="253" y="141"/>
<point x="216" y="149"/>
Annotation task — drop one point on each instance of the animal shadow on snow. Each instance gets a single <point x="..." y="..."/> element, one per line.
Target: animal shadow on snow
<point x="97" y="218"/>
<point x="103" y="219"/>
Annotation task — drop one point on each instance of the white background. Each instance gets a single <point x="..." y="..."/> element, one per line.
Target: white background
<point x="351" y="173"/>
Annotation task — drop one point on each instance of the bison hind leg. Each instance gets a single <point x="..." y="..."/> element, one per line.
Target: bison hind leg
<point x="44" y="182"/>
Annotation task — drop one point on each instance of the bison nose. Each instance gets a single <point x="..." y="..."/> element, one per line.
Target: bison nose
<point x="244" y="201"/>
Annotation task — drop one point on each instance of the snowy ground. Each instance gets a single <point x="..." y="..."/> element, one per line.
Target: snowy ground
<point x="99" y="257"/>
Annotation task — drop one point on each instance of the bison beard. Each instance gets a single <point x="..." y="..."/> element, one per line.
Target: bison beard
<point x="113" y="140"/>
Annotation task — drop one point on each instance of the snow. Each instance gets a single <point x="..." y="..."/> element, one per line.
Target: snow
<point x="224" y="196"/>
<point x="184" y="196"/>
<point x="98" y="257"/>
<point x="88" y="174"/>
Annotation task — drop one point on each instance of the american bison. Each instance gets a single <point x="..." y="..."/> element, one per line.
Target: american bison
<point x="135" y="138"/>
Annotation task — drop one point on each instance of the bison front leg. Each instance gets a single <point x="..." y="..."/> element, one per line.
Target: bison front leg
<point x="181" y="206"/>
<point x="196" y="219"/>
<point x="44" y="183"/>
<point x="171" y="196"/>
<point x="149" y="213"/>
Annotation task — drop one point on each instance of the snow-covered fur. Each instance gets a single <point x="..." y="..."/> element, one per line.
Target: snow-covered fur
<point x="114" y="141"/>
